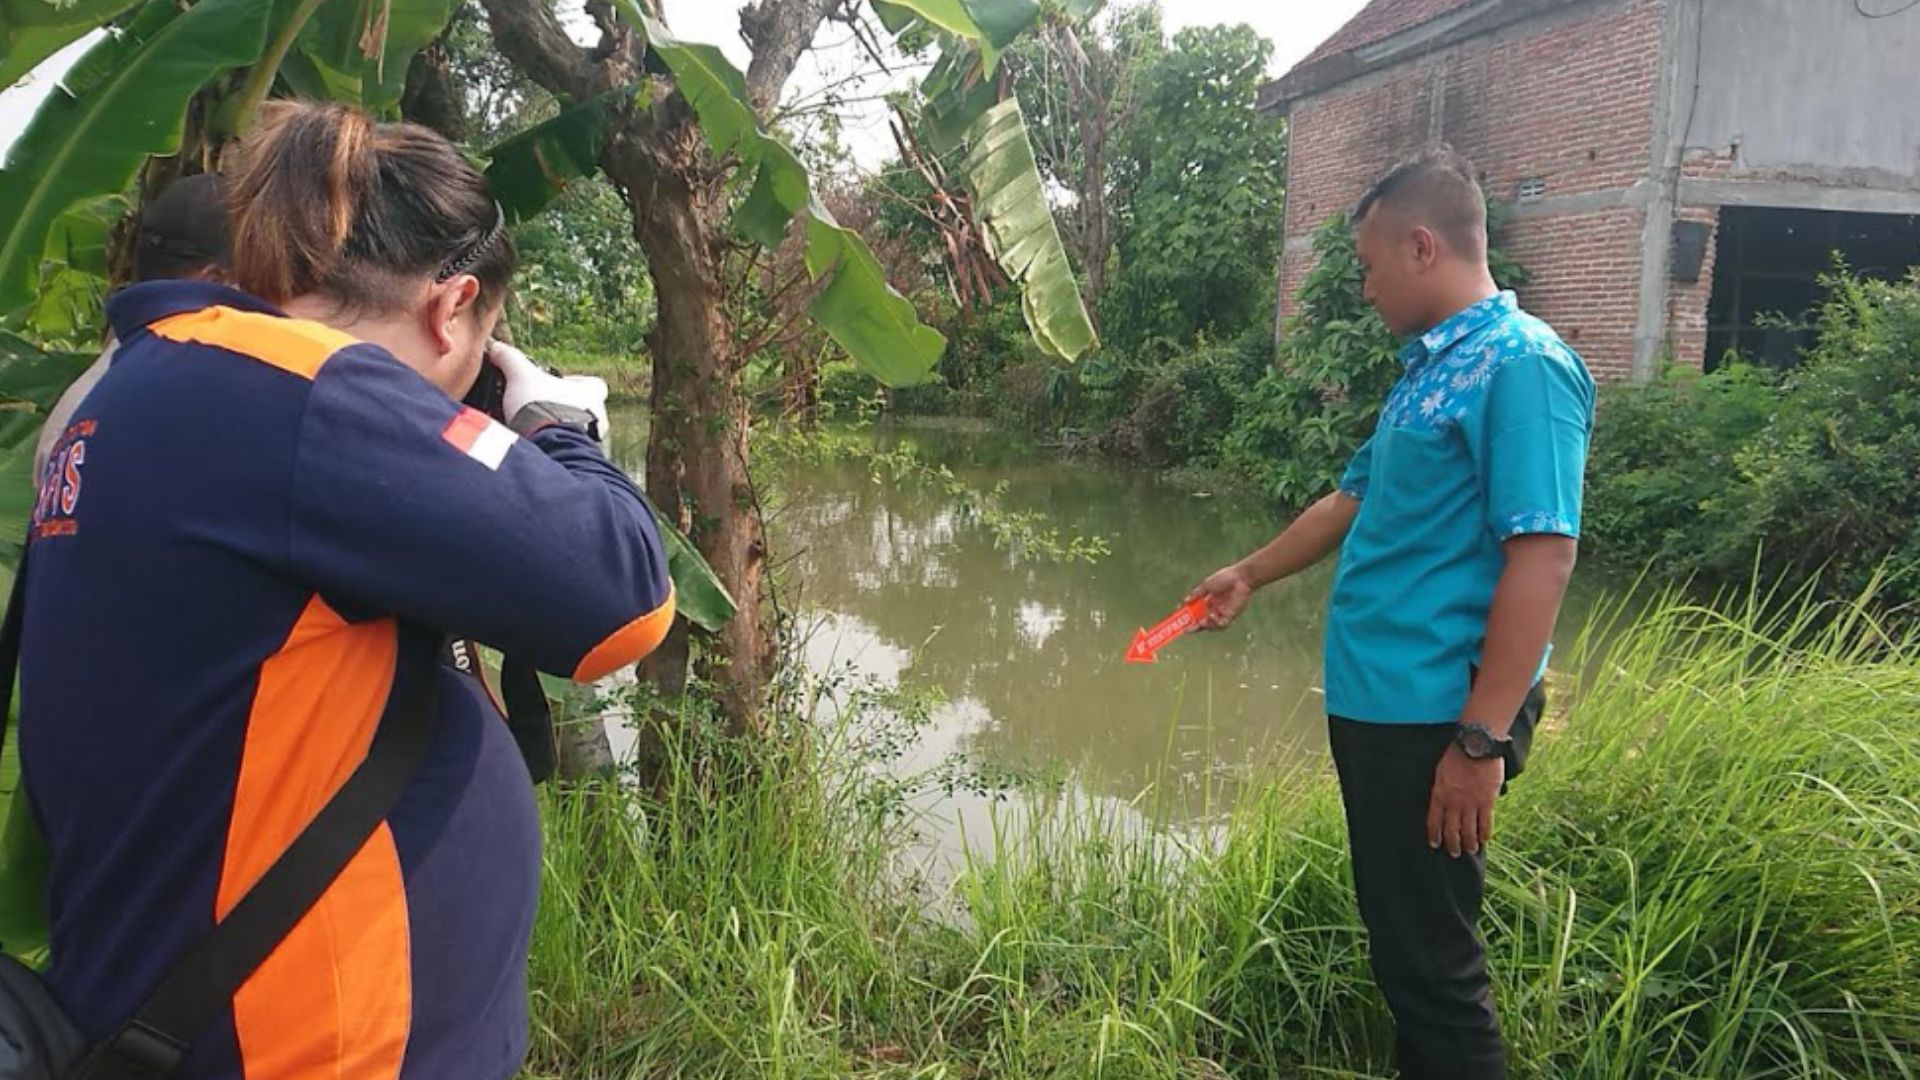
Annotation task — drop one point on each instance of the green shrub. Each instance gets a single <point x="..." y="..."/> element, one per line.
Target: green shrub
<point x="1025" y="395"/>
<point x="1815" y="477"/>
<point x="1302" y="421"/>
<point x="1187" y="402"/>
<point x="1662" y="456"/>
<point x="1832" y="484"/>
<point x="934" y="398"/>
<point x="845" y="390"/>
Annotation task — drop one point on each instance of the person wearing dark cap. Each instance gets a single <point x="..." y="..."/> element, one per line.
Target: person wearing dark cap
<point x="183" y="236"/>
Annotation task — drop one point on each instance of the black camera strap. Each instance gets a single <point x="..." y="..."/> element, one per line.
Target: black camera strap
<point x="521" y="700"/>
<point x="202" y="984"/>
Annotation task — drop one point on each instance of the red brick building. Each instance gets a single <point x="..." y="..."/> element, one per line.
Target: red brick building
<point x="1676" y="169"/>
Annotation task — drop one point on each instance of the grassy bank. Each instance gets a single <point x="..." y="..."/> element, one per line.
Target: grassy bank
<point x="627" y="374"/>
<point x="1712" y="869"/>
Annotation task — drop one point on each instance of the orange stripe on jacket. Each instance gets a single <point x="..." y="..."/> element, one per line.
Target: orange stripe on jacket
<point x="628" y="644"/>
<point x="334" y="1001"/>
<point x="293" y="345"/>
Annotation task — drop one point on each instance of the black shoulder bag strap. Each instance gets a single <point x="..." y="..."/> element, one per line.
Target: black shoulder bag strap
<point x="202" y="984"/>
<point x="529" y="717"/>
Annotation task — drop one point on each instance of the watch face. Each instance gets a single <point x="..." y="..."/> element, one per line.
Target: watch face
<point x="1477" y="744"/>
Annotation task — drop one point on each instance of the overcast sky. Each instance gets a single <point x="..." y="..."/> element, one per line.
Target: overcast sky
<point x="1294" y="27"/>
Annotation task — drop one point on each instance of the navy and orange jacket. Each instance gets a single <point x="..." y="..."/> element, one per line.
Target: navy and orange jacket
<point x="225" y="535"/>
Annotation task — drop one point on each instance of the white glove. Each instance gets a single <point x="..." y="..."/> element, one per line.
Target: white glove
<point x="528" y="385"/>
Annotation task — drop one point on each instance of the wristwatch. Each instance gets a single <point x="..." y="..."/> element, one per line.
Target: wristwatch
<point x="1478" y="743"/>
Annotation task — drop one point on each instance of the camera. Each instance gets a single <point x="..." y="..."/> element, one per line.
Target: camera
<point x="489" y="393"/>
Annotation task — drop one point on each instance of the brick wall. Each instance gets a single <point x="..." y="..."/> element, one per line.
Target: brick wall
<point x="1569" y="101"/>
<point x="1687" y="303"/>
<point x="1584" y="277"/>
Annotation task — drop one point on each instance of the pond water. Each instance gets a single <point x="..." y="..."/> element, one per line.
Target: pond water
<point x="899" y="583"/>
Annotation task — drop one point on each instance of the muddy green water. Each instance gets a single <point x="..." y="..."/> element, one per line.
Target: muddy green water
<point x="897" y="584"/>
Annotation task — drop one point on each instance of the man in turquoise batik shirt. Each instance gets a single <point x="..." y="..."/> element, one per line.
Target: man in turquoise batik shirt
<point x="1457" y="527"/>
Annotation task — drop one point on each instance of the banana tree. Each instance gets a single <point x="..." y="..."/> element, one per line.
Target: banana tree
<point x="672" y="123"/>
<point x="682" y="132"/>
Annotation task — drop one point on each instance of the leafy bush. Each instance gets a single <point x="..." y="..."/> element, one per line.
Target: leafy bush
<point x="1187" y="402"/>
<point x="1304" y="419"/>
<point x="1664" y="456"/>
<point x="1832" y="484"/>
<point x="1818" y="478"/>
<point x="575" y="289"/>
<point x="995" y="339"/>
<point x="1025" y="395"/>
<point x="845" y="390"/>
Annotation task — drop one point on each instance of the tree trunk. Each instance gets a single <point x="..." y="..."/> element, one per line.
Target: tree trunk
<point x="697" y="450"/>
<point x="1096" y="240"/>
<point x="1091" y="110"/>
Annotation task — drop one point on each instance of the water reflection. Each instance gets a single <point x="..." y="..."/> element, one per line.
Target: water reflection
<point x="902" y="584"/>
<point x="1038" y="644"/>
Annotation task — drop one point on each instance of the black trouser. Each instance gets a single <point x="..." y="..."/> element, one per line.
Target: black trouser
<point x="1421" y="906"/>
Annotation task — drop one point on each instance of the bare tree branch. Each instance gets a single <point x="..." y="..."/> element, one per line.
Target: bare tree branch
<point x="532" y="37"/>
<point x="865" y="35"/>
<point x="778" y="32"/>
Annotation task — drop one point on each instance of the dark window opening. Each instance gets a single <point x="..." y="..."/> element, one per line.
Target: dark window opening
<point x="1766" y="278"/>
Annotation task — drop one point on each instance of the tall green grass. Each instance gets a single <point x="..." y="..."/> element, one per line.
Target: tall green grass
<point x="1711" y="869"/>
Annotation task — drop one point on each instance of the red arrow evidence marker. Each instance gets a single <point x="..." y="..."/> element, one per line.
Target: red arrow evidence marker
<point x="1148" y="643"/>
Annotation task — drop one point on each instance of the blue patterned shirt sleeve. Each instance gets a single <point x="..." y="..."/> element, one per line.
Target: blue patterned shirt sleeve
<point x="1532" y="450"/>
<point x="1353" y="483"/>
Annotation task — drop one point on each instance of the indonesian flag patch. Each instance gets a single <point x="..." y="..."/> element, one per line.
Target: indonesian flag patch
<point x="480" y="437"/>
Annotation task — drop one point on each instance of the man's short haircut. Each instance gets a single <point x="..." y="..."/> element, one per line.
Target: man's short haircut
<point x="1437" y="189"/>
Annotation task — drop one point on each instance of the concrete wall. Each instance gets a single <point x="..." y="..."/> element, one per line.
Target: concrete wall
<point x="1810" y="90"/>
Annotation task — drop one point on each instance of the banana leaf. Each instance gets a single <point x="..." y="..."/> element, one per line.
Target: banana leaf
<point x="35" y="376"/>
<point x="858" y="309"/>
<point x="124" y="100"/>
<point x="70" y="304"/>
<point x="81" y="236"/>
<point x="19" y="431"/>
<point x="990" y="25"/>
<point x="20" y="14"/>
<point x="897" y="18"/>
<point x="954" y="96"/>
<point x="1000" y="22"/>
<point x="371" y="41"/>
<point x="698" y="594"/>
<point x="861" y="312"/>
<point x="948" y="15"/>
<point x="960" y="105"/>
<point x="531" y="169"/>
<point x="23" y="49"/>
<point x="316" y="80"/>
<point x="1021" y="233"/>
